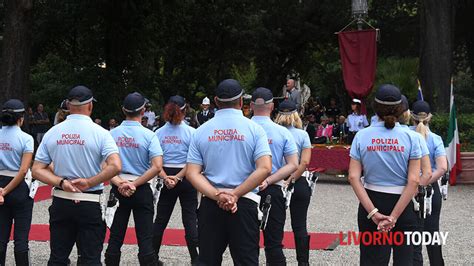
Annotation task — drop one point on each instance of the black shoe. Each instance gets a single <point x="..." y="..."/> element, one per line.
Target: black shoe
<point x="302" y="250"/>
<point x="193" y="253"/>
<point x="112" y="259"/>
<point x="22" y="258"/>
<point x="148" y="260"/>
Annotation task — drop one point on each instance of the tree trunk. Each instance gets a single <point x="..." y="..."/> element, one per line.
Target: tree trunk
<point x="436" y="51"/>
<point x="15" y="65"/>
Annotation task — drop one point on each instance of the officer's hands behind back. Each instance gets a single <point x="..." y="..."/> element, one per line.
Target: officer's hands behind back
<point x="127" y="189"/>
<point x="227" y="201"/>
<point x="81" y="183"/>
<point x="69" y="187"/>
<point x="384" y="223"/>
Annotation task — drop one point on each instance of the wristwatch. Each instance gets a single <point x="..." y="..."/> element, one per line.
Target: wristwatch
<point x="61" y="183"/>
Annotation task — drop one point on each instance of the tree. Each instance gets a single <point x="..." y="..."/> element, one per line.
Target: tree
<point x="15" y="65"/>
<point x="436" y="51"/>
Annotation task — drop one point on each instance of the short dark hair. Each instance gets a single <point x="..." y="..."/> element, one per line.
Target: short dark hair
<point x="132" y="114"/>
<point x="230" y="104"/>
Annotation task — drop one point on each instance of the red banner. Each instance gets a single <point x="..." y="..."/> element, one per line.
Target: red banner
<point x="358" y="50"/>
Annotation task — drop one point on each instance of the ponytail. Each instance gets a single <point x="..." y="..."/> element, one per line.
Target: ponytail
<point x="422" y="129"/>
<point x="405" y="118"/>
<point x="388" y="113"/>
<point x="421" y="120"/>
<point x="389" y="121"/>
<point x="173" y="114"/>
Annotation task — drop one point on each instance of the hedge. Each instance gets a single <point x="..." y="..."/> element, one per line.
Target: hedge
<point x="439" y="125"/>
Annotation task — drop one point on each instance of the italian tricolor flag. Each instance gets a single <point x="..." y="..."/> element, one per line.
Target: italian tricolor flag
<point x="453" y="148"/>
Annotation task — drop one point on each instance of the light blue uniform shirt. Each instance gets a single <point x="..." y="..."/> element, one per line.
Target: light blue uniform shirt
<point x="435" y="146"/>
<point x="280" y="140"/>
<point x="137" y="146"/>
<point x="13" y="144"/>
<point x="384" y="154"/>
<point x="227" y="147"/>
<point x="77" y="147"/>
<point x="424" y="148"/>
<point x="175" y="141"/>
<point x="356" y="122"/>
<point x="301" y="139"/>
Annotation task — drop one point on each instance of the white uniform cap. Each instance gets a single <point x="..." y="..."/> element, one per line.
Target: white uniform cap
<point x="206" y="101"/>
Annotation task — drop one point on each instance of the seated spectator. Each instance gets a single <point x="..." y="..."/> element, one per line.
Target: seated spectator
<point x="340" y="130"/>
<point x="333" y="110"/>
<point x="308" y="126"/>
<point x="324" y="132"/>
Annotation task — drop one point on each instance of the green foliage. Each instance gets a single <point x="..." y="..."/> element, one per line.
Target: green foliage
<point x="246" y="75"/>
<point x="401" y="72"/>
<point x="51" y="78"/>
<point x="439" y="125"/>
<point x="463" y="85"/>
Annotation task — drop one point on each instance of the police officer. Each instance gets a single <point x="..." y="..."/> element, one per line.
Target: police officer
<point x="205" y="113"/>
<point x="284" y="163"/>
<point x="141" y="156"/>
<point x="175" y="138"/>
<point x="77" y="147"/>
<point x="228" y="158"/>
<point x="288" y="117"/>
<point x="404" y="120"/>
<point x="421" y="117"/>
<point x="356" y="121"/>
<point x="16" y="154"/>
<point x="390" y="157"/>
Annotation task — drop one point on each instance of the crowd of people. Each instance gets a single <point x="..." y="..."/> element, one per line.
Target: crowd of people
<point x="238" y="165"/>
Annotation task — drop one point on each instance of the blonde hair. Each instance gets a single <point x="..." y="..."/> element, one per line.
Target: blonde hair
<point x="288" y="120"/>
<point x="421" y="121"/>
<point x="405" y="118"/>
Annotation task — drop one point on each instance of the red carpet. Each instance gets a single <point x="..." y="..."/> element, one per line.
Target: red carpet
<point x="43" y="193"/>
<point x="175" y="237"/>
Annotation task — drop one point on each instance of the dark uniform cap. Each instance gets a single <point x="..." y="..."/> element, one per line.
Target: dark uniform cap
<point x="262" y="96"/>
<point x="287" y="106"/>
<point x="421" y="107"/>
<point x="229" y="90"/>
<point x="134" y="102"/>
<point x="13" y="105"/>
<point x="80" y="95"/>
<point x="178" y="100"/>
<point x="388" y="94"/>
<point x="405" y="104"/>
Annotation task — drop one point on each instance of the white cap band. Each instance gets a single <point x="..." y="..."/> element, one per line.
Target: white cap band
<point x="231" y="99"/>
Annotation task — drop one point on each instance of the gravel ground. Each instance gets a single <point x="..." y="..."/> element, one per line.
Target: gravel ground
<point x="333" y="208"/>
